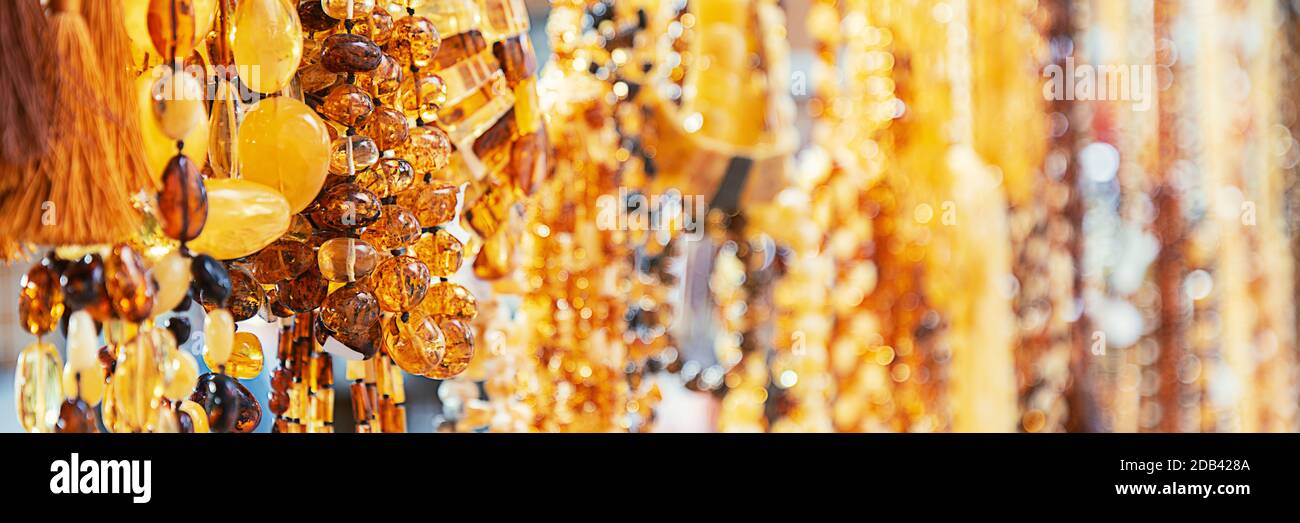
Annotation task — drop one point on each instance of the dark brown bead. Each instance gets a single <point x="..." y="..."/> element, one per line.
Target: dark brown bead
<point x="344" y="207"/>
<point x="281" y="261"/>
<point x="219" y="396"/>
<point x="305" y="292"/>
<point x="350" y="53"/>
<point x="250" y="410"/>
<point x="211" y="284"/>
<point x="77" y="416"/>
<point x="83" y="287"/>
<point x="40" y="299"/>
<point x="246" y="294"/>
<point x="183" y="202"/>
<point x="366" y="343"/>
<point x="313" y="18"/>
<point x="349" y="309"/>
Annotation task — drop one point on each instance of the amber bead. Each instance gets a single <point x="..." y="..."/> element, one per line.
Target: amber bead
<point x="423" y="95"/>
<point x="246" y="295"/>
<point x="83" y="287"/>
<point x="316" y="78"/>
<point x="300" y="229"/>
<point x="218" y="338"/>
<point x="459" y="340"/>
<point x="305" y="292"/>
<point x="400" y="283"/>
<point x="387" y="126"/>
<point x="414" y="341"/>
<point x="378" y="26"/>
<point x="346" y="259"/>
<point x="364" y="343"/>
<point x="313" y="17"/>
<point x="171" y="277"/>
<point x="528" y="160"/>
<point x="348" y="9"/>
<point x="139" y="382"/>
<point x="281" y="261"/>
<point x="212" y="285"/>
<point x="180" y="371"/>
<point x="428" y="149"/>
<point x="384" y="81"/>
<point x="346" y="105"/>
<point x="494" y="258"/>
<point x="352" y="154"/>
<point x="219" y="396"/>
<point x="76" y="416"/>
<point x="349" y="53"/>
<point x="245" y="357"/>
<point x="432" y="205"/>
<point x="441" y="251"/>
<point x="180" y="328"/>
<point x="40" y="302"/>
<point x="349" y="310"/>
<point x="388" y="177"/>
<point x="278" y="397"/>
<point x="198" y="418"/>
<point x="130" y="291"/>
<point x="451" y="300"/>
<point x="171" y="26"/>
<point x="38" y="387"/>
<point x="415" y="41"/>
<point x="183" y="201"/>
<point x="396" y="228"/>
<point x="344" y="207"/>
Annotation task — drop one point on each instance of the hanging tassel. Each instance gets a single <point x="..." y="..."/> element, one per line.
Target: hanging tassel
<point x="24" y="85"/>
<point x="107" y="25"/>
<point x="81" y="193"/>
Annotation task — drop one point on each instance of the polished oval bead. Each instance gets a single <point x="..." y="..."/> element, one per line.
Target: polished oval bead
<point x="266" y="38"/>
<point x="38" y="387"/>
<point x="305" y="292"/>
<point x="432" y="204"/>
<point x="347" y="9"/>
<point x="183" y="201"/>
<point x="400" y="283"/>
<point x="246" y="216"/>
<point x="171" y="277"/>
<point x="181" y="373"/>
<point x="284" y="145"/>
<point x="76" y="417"/>
<point x="219" y="396"/>
<point x="211" y="282"/>
<point x="176" y="100"/>
<point x="387" y="126"/>
<point x="83" y="343"/>
<point x="218" y="338"/>
<point x="282" y="260"/>
<point x="130" y="291"/>
<point x="451" y="300"/>
<point x="250" y="410"/>
<point x="414" y="341"/>
<point x="396" y="228"/>
<point x="315" y="78"/>
<point x="40" y="299"/>
<point x="350" y="309"/>
<point x="388" y="177"/>
<point x="428" y="149"/>
<point x="83" y="287"/>
<point x="415" y="41"/>
<point x="246" y="295"/>
<point x="88" y="385"/>
<point x="198" y="417"/>
<point x="384" y="81"/>
<point x="378" y="26"/>
<point x="441" y="251"/>
<point x="423" y="95"/>
<point x="158" y="147"/>
<point x="180" y="328"/>
<point x="345" y="207"/>
<point x="459" y="339"/>
<point x="246" y="357"/>
<point x="352" y="154"/>
<point x="172" y="27"/>
<point x="314" y="18"/>
<point x="138" y="381"/>
<point x="346" y="259"/>
<point x="350" y="53"/>
<point x="346" y="105"/>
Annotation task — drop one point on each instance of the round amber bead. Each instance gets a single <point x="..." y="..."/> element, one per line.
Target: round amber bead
<point x="346" y="105"/>
<point x="352" y="154"/>
<point x="451" y="300"/>
<point x="441" y="251"/>
<point x="415" y="41"/>
<point x="387" y="126"/>
<point x="387" y="178"/>
<point x="246" y="295"/>
<point x="428" y="149"/>
<point x="346" y="259"/>
<point x="40" y="302"/>
<point x="344" y="207"/>
<point x="432" y="205"/>
<point x="400" y="283"/>
<point x="414" y="341"/>
<point x="459" y="340"/>
<point x="395" y="228"/>
<point x="350" y="309"/>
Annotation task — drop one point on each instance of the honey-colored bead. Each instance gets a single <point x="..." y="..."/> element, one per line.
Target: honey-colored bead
<point x="441" y="251"/>
<point x="83" y="342"/>
<point x="316" y="78"/>
<point x="414" y="342"/>
<point x="346" y="105"/>
<point x="347" y="9"/>
<point x="428" y="149"/>
<point x="218" y="338"/>
<point x="305" y="292"/>
<point x="346" y="259"/>
<point x="395" y="228"/>
<point x="352" y="154"/>
<point x="350" y="309"/>
<point x="415" y="41"/>
<point x="181" y="372"/>
<point x="246" y="295"/>
<point x="400" y="283"/>
<point x="198" y="417"/>
<point x="432" y="205"/>
<point x="266" y="37"/>
<point x="423" y="95"/>
<point x="312" y="16"/>
<point x="172" y="27"/>
<point x="378" y="26"/>
<point x="349" y="53"/>
<point x="138" y="381"/>
<point x="388" y="177"/>
<point x="344" y="207"/>
<point x="384" y="81"/>
<point x="88" y="386"/>
<point x="76" y="417"/>
<point x="285" y="145"/>
<point x="245" y="216"/>
<point x="494" y="259"/>
<point x="176" y="100"/>
<point x="130" y="291"/>
<point x="387" y="126"/>
<point x="245" y="361"/>
<point x="282" y="260"/>
<point x="450" y="299"/>
<point x="40" y="302"/>
<point x="459" y="339"/>
<point x="171" y="274"/>
<point x="183" y="202"/>
<point x="38" y="387"/>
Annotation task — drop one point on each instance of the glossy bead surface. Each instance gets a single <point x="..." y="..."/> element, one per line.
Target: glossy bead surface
<point x="130" y="291"/>
<point x="138" y="381"/>
<point x="40" y="299"/>
<point x="387" y="126"/>
<point x="38" y="387"/>
<point x="218" y="338"/>
<point x="313" y="17"/>
<point x="423" y="95"/>
<point x="282" y="260"/>
<point x="176" y="100"/>
<point x="349" y="53"/>
<point x="415" y="41"/>
<point x="428" y="149"/>
<point x="347" y="9"/>
<point x="88" y="386"/>
<point x="171" y="275"/>
<point x="211" y="281"/>
<point x="384" y="81"/>
<point x="219" y="396"/>
<point x="350" y="309"/>
<point x="244" y="216"/>
<point x="352" y="154"/>
<point x="414" y="341"/>
<point x="305" y="292"/>
<point x="246" y="295"/>
<point x="181" y="372"/>
<point x="284" y="145"/>
<point x="344" y="207"/>
<point x="76" y="417"/>
<point x="450" y="299"/>
<point x="198" y="417"/>
<point x="400" y="283"/>
<point x="441" y="251"/>
<point x="378" y="26"/>
<point x="432" y="205"/>
<point x="245" y="360"/>
<point x="83" y="287"/>
<point x="346" y="259"/>
<point x="395" y="228"/>
<point x="266" y="37"/>
<point x="459" y="340"/>
<point x="172" y="27"/>
<point x="83" y="343"/>
<point x="346" y="105"/>
<point x="183" y="201"/>
<point x="365" y="344"/>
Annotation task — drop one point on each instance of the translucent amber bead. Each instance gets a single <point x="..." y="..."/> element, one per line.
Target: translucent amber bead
<point x="83" y="342"/>
<point x="266" y="38"/>
<point x="451" y="300"/>
<point x="344" y="207"/>
<point x="183" y="202"/>
<point x="176" y="99"/>
<point x="138" y="382"/>
<point x="218" y="338"/>
<point x="387" y="126"/>
<point x="441" y="251"/>
<point x="352" y="154"/>
<point x="246" y="295"/>
<point x="346" y="259"/>
<point x="349" y="309"/>
<point x="316" y="78"/>
<point x="414" y="341"/>
<point x="212" y="284"/>
<point x="428" y="149"/>
<point x="88" y="386"/>
<point x="314" y="18"/>
<point x="423" y="95"/>
<point x="432" y="205"/>
<point x="346" y="105"/>
<point x="387" y="178"/>
<point x="459" y="340"/>
<point x="38" y="387"/>
<point x="282" y="260"/>
<point x="245" y="360"/>
<point x="171" y="275"/>
<point x="171" y="26"/>
<point x="181" y="372"/>
<point x="83" y="287"/>
<point x="395" y="228"/>
<point x="278" y="397"/>
<point x="219" y="396"/>
<point x="348" y="9"/>
<point x="349" y="53"/>
<point x="400" y="283"/>
<point x="40" y="302"/>
<point x="305" y="292"/>
<point x="245" y="216"/>
<point x="494" y="260"/>
<point x="366" y="344"/>
<point x="378" y="26"/>
<point x="130" y="291"/>
<point x="198" y="417"/>
<point x="384" y="81"/>
<point x="415" y="41"/>
<point x="76" y="417"/>
<point x="284" y="145"/>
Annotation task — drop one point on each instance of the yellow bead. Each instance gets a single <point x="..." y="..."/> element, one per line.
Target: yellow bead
<point x="198" y="416"/>
<point x="88" y="386"/>
<point x="400" y="283"/>
<point x="243" y="218"/>
<point x="38" y="387"/>
<point x="182" y="372"/>
<point x="172" y="274"/>
<point x="347" y="9"/>
<point x="449" y="299"/>
<point x="218" y="338"/>
<point x="138" y="382"/>
<point x="83" y="342"/>
<point x="245" y="361"/>
<point x="432" y="204"/>
<point x="283" y="144"/>
<point x="441" y="251"/>
<point x="158" y="147"/>
<point x="176" y="99"/>
<point x="266" y="38"/>
<point x="428" y="149"/>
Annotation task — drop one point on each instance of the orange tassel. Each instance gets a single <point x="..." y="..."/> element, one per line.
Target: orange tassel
<point x="24" y="85"/>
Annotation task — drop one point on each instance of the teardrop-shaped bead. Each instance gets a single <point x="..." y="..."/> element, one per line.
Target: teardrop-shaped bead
<point x="350" y="53"/>
<point x="40" y="300"/>
<point x="266" y="38"/>
<point x="212" y="284"/>
<point x="38" y="387"/>
<point x="183" y="202"/>
<point x="346" y="259"/>
<point x="219" y="396"/>
<point x="400" y="283"/>
<point x="246" y="295"/>
<point x="395" y="228"/>
<point x="459" y="339"/>
<point x="441" y="251"/>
